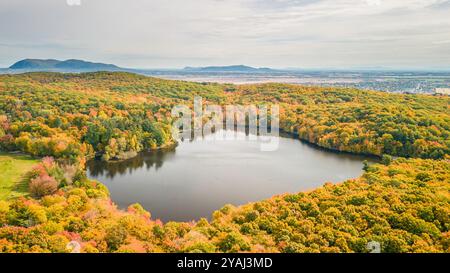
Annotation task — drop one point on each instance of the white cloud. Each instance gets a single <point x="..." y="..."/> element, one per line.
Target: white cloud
<point x="161" y="33"/>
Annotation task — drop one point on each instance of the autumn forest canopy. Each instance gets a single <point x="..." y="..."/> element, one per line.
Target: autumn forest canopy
<point x="63" y="120"/>
<point x="77" y="115"/>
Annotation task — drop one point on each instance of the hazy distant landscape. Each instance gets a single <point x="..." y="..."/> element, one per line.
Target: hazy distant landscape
<point x="391" y="81"/>
<point x="377" y="79"/>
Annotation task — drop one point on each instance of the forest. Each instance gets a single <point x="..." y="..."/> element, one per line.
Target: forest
<point x="63" y="120"/>
<point x="113" y="115"/>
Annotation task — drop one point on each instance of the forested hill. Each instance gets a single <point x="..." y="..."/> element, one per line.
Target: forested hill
<point x="114" y="114"/>
<point x="230" y="68"/>
<point x="72" y="64"/>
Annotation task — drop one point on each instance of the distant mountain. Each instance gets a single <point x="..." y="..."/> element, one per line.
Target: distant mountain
<point x="230" y="68"/>
<point x="34" y="64"/>
<point x="68" y="65"/>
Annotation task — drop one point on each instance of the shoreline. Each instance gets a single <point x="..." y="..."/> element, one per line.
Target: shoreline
<point x="283" y="133"/>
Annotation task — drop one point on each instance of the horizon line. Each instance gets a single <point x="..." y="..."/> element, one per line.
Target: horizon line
<point x="279" y="68"/>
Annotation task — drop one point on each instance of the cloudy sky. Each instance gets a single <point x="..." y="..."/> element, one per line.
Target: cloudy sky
<point x="273" y="33"/>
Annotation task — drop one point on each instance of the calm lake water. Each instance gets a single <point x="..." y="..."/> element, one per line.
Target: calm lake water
<point x="203" y="175"/>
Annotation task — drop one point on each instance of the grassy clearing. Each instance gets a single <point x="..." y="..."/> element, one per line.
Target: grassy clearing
<point x="12" y="170"/>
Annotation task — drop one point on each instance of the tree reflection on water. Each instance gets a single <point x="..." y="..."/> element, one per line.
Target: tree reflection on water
<point x="149" y="159"/>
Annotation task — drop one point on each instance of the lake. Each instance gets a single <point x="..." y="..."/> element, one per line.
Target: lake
<point x="202" y="175"/>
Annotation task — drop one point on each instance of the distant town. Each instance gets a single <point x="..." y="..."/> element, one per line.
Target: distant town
<point x="390" y="81"/>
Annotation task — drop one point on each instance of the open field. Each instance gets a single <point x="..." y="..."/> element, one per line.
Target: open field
<point x="12" y="169"/>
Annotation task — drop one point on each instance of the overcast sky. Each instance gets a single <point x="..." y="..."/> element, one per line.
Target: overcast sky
<point x="269" y="33"/>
